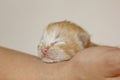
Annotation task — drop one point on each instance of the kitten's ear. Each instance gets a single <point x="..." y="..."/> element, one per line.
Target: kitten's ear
<point x="84" y="37"/>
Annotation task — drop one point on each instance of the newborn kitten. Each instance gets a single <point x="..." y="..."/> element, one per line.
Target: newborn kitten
<point x="62" y="40"/>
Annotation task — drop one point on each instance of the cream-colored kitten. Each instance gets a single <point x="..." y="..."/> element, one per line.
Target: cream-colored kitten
<point x="61" y="41"/>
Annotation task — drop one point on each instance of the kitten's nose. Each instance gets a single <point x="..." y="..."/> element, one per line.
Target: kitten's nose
<point x="44" y="51"/>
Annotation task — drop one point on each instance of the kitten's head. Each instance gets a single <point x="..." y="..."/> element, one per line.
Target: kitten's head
<point x="61" y="41"/>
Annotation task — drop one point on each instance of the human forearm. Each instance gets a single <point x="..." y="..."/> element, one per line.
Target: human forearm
<point x="15" y="65"/>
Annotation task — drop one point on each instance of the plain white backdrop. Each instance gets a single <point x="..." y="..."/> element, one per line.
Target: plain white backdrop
<point x="23" y="21"/>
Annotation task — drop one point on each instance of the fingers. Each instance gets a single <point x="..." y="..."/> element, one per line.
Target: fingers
<point x="114" y="78"/>
<point x="113" y="64"/>
<point x="103" y="61"/>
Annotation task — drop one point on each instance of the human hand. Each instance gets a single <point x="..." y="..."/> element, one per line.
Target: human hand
<point x="98" y="63"/>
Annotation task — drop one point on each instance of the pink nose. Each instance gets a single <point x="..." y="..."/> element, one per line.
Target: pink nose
<point x="44" y="51"/>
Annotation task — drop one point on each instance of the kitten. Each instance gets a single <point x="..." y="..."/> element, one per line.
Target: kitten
<point x="62" y="40"/>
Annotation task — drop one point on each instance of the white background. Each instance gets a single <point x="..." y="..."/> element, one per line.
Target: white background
<point x="23" y="21"/>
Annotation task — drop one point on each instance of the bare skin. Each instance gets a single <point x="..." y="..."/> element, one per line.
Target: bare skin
<point x="98" y="63"/>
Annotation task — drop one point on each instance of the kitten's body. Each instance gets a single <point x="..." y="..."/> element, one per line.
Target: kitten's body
<point x="62" y="40"/>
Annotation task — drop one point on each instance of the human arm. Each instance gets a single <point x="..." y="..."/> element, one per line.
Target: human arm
<point x="16" y="65"/>
<point x="98" y="63"/>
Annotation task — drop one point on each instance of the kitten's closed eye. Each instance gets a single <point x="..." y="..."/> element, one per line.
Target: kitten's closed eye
<point x="55" y="43"/>
<point x="59" y="42"/>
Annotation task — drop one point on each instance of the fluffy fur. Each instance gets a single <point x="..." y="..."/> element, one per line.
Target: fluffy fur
<point x="62" y="40"/>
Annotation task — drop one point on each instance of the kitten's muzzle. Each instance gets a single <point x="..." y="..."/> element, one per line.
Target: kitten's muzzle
<point x="44" y="51"/>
